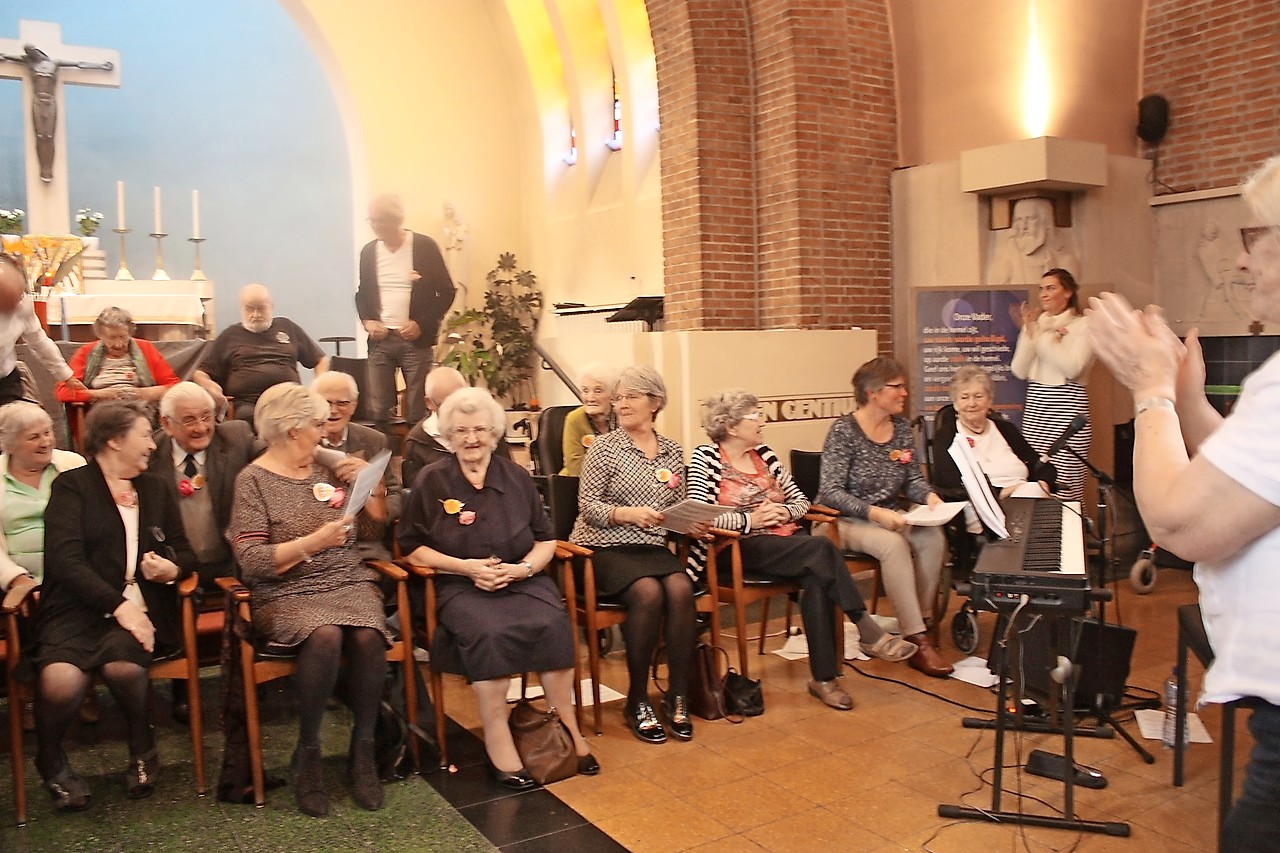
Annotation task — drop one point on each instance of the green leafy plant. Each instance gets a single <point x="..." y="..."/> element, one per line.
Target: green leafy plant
<point x="87" y="221"/>
<point x="496" y="342"/>
<point x="11" y="220"/>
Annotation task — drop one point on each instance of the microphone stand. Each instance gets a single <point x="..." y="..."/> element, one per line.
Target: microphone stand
<point x="1105" y="536"/>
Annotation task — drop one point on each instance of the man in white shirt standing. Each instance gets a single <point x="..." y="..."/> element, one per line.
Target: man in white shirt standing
<point x="18" y="320"/>
<point x="404" y="291"/>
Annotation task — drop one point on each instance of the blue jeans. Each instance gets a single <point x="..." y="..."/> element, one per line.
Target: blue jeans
<point x="385" y="356"/>
<point x="1254" y="822"/>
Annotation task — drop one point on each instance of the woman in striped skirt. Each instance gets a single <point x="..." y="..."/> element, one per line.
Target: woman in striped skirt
<point x="1054" y="354"/>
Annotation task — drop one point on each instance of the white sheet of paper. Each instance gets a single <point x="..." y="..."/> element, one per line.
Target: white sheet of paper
<point x="933" y="516"/>
<point x="678" y="518"/>
<point x="366" y="481"/>
<point x="1151" y="726"/>
<point x="607" y="693"/>
<point x="976" y="486"/>
<point x="973" y="670"/>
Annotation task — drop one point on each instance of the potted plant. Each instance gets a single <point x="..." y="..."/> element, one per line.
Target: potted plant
<point x="496" y="342"/>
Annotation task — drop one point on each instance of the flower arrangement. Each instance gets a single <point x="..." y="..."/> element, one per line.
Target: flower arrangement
<point x="87" y="221"/>
<point x="11" y="220"/>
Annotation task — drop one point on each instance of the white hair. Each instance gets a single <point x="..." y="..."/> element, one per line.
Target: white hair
<point x="184" y="392"/>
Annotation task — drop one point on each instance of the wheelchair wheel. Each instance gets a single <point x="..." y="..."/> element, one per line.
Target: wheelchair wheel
<point x="964" y="630"/>
<point x="1143" y="574"/>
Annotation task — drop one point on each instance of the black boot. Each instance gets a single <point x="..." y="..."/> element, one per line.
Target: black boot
<point x="308" y="781"/>
<point x="366" y="787"/>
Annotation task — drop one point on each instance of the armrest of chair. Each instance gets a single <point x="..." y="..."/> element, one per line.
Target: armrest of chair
<point x="420" y="569"/>
<point x="389" y="570"/>
<point x="17" y="596"/>
<point x="566" y="549"/>
<point x="188" y="586"/>
<point x="819" y="512"/>
<point x="233" y="588"/>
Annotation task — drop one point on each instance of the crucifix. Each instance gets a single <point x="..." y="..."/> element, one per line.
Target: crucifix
<point x="40" y="59"/>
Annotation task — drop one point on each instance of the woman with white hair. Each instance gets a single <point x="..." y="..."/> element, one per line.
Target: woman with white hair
<point x="118" y="366"/>
<point x="590" y="420"/>
<point x="477" y="519"/>
<point x="1208" y="488"/>
<point x="738" y="469"/>
<point x="310" y="589"/>
<point x="630" y="476"/>
<point x="27" y="470"/>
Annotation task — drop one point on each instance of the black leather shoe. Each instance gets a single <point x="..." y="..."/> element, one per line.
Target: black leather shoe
<point x="141" y="775"/>
<point x="644" y="724"/>
<point x="679" y="723"/>
<point x="69" y="790"/>
<point x="517" y="781"/>
<point x="588" y="766"/>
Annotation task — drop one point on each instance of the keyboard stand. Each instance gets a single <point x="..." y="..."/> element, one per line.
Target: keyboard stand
<point x="995" y="814"/>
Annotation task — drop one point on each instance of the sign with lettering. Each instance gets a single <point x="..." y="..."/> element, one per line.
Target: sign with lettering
<point x="955" y="327"/>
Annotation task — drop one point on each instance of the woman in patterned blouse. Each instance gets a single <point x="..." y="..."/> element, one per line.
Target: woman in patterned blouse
<point x="630" y="476"/>
<point x="868" y="463"/>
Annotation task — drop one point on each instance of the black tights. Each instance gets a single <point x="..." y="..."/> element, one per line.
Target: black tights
<point x="648" y="600"/>
<point x="317" y="673"/>
<point x="60" y="690"/>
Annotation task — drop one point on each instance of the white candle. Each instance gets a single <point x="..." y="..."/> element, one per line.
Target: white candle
<point x="157" y="229"/>
<point x="195" y="214"/>
<point x="120" y="205"/>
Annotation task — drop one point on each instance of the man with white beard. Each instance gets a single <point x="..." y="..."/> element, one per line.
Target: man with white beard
<point x="256" y="353"/>
<point x="1032" y="246"/>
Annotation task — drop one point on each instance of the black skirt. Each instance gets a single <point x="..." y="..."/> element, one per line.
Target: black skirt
<point x="619" y="566"/>
<point x="484" y="635"/>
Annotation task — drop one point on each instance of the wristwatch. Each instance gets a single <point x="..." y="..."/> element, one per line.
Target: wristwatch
<point x="528" y="569"/>
<point x="1152" y="403"/>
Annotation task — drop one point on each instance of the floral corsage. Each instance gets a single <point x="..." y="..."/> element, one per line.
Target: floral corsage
<point x="902" y="457"/>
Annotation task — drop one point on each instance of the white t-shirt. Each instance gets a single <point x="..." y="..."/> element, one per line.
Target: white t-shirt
<point x="1240" y="596"/>
<point x="995" y="457"/>
<point x="395" y="281"/>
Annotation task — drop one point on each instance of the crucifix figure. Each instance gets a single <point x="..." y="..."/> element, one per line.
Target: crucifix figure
<point x="44" y="109"/>
<point x="43" y="63"/>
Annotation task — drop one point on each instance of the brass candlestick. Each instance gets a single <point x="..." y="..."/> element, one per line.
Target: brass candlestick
<point x="123" y="273"/>
<point x="197" y="274"/>
<point x="159" y="274"/>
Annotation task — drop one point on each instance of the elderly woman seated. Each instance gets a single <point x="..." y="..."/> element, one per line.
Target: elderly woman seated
<point x="27" y="470"/>
<point x="114" y="545"/>
<point x="999" y="448"/>
<point x="310" y="589"/>
<point x="119" y="366"/>
<point x="740" y="470"/>
<point x="868" y="466"/>
<point x="590" y="420"/>
<point x="478" y="521"/>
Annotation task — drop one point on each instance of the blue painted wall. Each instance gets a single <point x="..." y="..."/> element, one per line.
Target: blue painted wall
<point x="225" y="97"/>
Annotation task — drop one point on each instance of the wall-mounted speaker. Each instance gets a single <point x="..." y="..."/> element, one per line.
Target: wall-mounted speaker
<point x="1153" y="118"/>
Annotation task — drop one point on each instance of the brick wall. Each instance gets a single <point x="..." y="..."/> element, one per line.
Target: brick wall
<point x="778" y="136"/>
<point x="1218" y="64"/>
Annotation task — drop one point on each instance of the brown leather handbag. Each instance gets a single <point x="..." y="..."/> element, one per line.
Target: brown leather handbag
<point x="544" y="743"/>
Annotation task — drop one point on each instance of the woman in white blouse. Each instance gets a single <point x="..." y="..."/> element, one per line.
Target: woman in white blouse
<point x="1054" y="354"/>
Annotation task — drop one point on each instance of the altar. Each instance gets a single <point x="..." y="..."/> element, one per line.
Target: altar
<point x="162" y="310"/>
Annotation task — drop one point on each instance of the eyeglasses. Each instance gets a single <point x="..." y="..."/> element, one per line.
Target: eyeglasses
<point x="1249" y="236"/>
<point x="897" y="386"/>
<point x="196" y="420"/>
<point x="463" y="432"/>
<point x="632" y="397"/>
<point x="341" y="404"/>
<point x="754" y="416"/>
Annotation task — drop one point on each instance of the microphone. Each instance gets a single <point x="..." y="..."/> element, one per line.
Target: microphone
<point x="1077" y="423"/>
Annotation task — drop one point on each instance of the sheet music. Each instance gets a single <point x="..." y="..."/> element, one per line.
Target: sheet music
<point x="976" y="486"/>
<point x="366" y="481"/>
<point x="689" y="511"/>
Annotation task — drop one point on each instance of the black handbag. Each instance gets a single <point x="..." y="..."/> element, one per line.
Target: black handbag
<point x="708" y="697"/>
<point x="742" y="694"/>
<point x="543" y="742"/>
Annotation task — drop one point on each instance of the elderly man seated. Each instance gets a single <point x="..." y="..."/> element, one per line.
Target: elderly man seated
<point x="360" y="444"/>
<point x="260" y="351"/>
<point x="424" y="444"/>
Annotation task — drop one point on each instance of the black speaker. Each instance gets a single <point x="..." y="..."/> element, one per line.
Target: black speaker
<point x="1153" y="118"/>
<point x="1101" y="657"/>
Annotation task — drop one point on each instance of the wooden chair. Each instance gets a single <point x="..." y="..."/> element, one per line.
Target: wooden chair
<point x="183" y="665"/>
<point x="742" y="592"/>
<point x="805" y="467"/>
<point x="12" y="651"/>
<point x="586" y="610"/>
<point x="262" y="665"/>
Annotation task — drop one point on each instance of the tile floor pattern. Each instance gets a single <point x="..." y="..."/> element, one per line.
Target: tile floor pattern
<point x="802" y="777"/>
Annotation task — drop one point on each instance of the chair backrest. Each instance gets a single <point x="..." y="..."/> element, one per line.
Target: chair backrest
<point x="806" y="469"/>
<point x="549" y="455"/>
<point x="923" y="429"/>
<point x="358" y="368"/>
<point x="563" y="500"/>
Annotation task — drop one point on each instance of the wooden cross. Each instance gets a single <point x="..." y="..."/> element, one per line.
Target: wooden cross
<point x="43" y="63"/>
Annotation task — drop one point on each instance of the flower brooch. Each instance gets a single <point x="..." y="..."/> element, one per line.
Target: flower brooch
<point x="902" y="457"/>
<point x="326" y="493"/>
<point x="453" y="506"/>
<point x="668" y="478"/>
<point x="188" y="486"/>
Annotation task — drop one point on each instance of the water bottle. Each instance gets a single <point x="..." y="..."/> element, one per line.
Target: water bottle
<point x="1171" y="700"/>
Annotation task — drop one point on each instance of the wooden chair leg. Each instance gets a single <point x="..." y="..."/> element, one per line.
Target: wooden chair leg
<point x="195" y="721"/>
<point x="15" y="753"/>
<point x="437" y="699"/>
<point x="875" y="590"/>
<point x="411" y="700"/>
<point x="764" y="630"/>
<point x="253" y="726"/>
<point x="593" y="663"/>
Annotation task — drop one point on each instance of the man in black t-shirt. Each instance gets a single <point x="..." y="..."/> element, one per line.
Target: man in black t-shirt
<point x="256" y="353"/>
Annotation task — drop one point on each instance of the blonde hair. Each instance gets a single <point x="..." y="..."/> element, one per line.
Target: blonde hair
<point x="284" y="407"/>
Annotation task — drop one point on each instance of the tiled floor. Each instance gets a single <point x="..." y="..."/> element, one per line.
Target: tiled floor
<point x="801" y="777"/>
